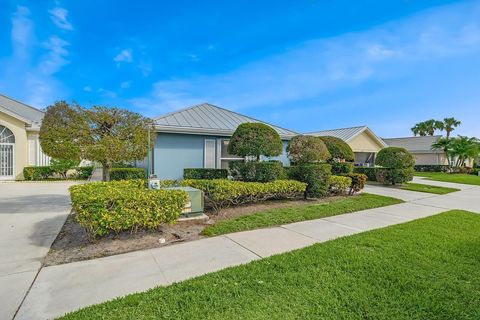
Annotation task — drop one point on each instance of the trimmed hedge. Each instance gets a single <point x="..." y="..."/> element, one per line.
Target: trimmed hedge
<point x="265" y="171"/>
<point x="204" y="173"/>
<point x="316" y="176"/>
<point x="358" y="182"/>
<point x="370" y="172"/>
<point x="37" y="173"/>
<point x="307" y="149"/>
<point x="338" y="148"/>
<point x="341" y="168"/>
<point x="397" y="165"/>
<point x="105" y="207"/>
<point x="222" y="193"/>
<point x="339" y="184"/>
<point x="432" y="168"/>
<point x="84" y="172"/>
<point x="393" y="176"/>
<point x="127" y="173"/>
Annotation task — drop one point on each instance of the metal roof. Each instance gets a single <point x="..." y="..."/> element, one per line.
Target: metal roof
<point x="414" y="144"/>
<point x="21" y="111"/>
<point x="206" y="118"/>
<point x="345" y="134"/>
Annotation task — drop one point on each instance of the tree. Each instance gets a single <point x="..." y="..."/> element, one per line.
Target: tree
<point x="432" y="125"/>
<point x="450" y="124"/>
<point x="61" y="166"/>
<point x="339" y="149"/>
<point x="105" y="135"/>
<point x="443" y="144"/>
<point x="255" y="140"/>
<point x="464" y="148"/>
<point x="307" y="149"/>
<point x="398" y="165"/>
<point x="420" y="128"/>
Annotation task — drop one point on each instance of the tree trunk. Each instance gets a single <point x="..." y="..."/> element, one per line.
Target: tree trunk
<point x="106" y="171"/>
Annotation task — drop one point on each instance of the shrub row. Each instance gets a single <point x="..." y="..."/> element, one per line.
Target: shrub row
<point x="251" y="171"/>
<point x="341" y="168"/>
<point x="370" y="172"/>
<point x="431" y="168"/>
<point x="203" y="173"/>
<point x="45" y="172"/>
<point x="222" y="193"/>
<point x="105" y="207"/>
<point x="127" y="173"/>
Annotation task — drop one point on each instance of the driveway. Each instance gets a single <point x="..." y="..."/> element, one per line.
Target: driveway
<point x="31" y="215"/>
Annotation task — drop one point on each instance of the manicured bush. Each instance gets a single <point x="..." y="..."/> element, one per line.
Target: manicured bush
<point x="127" y="173"/>
<point x="222" y="193"/>
<point x="61" y="166"/>
<point x="204" y="173"/>
<point x="315" y="175"/>
<point x="37" y="173"/>
<point x="475" y="171"/>
<point x="265" y="171"/>
<point x="255" y="140"/>
<point x="83" y="172"/>
<point x="307" y="149"/>
<point x="370" y="172"/>
<point x="105" y="207"/>
<point x="358" y="182"/>
<point x="339" y="184"/>
<point x="338" y="149"/>
<point x="341" y="168"/>
<point x="432" y="168"/>
<point x="397" y="165"/>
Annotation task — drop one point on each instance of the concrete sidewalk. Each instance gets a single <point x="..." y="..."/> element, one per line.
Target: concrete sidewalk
<point x="64" y="288"/>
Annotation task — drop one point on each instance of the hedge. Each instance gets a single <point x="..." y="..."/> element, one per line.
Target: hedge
<point x="339" y="184"/>
<point x="84" y="172"/>
<point x="393" y="176"/>
<point x="432" y="168"/>
<point x="37" y="173"/>
<point x="251" y="171"/>
<point x="105" y="207"/>
<point x="370" y="172"/>
<point x="127" y="173"/>
<point x="222" y="193"/>
<point x="341" y="168"/>
<point x="397" y="165"/>
<point x="204" y="173"/>
<point x="316" y="176"/>
<point x="358" y="182"/>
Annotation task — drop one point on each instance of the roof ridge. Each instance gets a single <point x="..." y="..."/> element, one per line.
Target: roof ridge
<point x="337" y="129"/>
<point x="22" y="103"/>
<point x="416" y="137"/>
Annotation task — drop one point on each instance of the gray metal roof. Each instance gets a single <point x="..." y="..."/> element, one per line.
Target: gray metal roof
<point x="344" y="133"/>
<point x="206" y="118"/>
<point x="21" y="111"/>
<point x="414" y="144"/>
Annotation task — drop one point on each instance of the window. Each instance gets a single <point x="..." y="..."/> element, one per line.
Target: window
<point x="225" y="157"/>
<point x="209" y="154"/>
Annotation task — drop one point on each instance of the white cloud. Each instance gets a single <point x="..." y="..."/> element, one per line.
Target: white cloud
<point x="22" y="31"/>
<point x="87" y="89"/>
<point x="55" y="59"/>
<point x="124" y="56"/>
<point x="59" y="16"/>
<point x="125" y="84"/>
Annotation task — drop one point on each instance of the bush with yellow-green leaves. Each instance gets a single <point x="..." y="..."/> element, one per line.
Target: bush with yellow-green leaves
<point x="339" y="184"/>
<point x="115" y="206"/>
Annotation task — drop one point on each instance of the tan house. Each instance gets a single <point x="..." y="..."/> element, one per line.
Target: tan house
<point x="421" y="149"/>
<point x="19" y="144"/>
<point x="363" y="141"/>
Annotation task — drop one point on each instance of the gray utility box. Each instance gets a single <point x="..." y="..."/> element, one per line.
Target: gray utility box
<point x="194" y="206"/>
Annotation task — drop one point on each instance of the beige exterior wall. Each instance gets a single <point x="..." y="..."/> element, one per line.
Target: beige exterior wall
<point x="430" y="158"/>
<point x="21" y="144"/>
<point x="364" y="142"/>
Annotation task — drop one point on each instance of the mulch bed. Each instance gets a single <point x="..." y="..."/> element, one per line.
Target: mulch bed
<point x="73" y="244"/>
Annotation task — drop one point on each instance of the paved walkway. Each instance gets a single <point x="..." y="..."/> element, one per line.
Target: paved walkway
<point x="31" y="215"/>
<point x="64" y="288"/>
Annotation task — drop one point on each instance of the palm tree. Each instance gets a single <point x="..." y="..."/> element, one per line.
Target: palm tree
<point x="445" y="145"/>
<point x="431" y="126"/>
<point x="420" y="128"/>
<point x="450" y="124"/>
<point x="464" y="148"/>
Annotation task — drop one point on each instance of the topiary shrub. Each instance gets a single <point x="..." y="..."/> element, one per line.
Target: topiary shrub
<point x="127" y="173"/>
<point x="370" y="172"/>
<point x="37" y="173"/>
<point x="105" y="207"/>
<point x="265" y="171"/>
<point x="307" y="149"/>
<point x="339" y="185"/>
<point x="255" y="140"/>
<point x="315" y="175"/>
<point x="398" y="165"/>
<point x="339" y="149"/>
<point x="222" y="193"/>
<point x="204" y="173"/>
<point x="358" y="182"/>
<point x="341" y="168"/>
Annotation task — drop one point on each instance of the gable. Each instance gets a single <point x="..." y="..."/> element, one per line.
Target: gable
<point x="365" y="142"/>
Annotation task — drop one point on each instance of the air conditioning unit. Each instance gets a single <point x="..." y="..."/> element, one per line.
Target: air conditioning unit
<point x="194" y="206"/>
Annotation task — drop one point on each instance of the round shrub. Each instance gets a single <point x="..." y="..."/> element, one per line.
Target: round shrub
<point x="339" y="149"/>
<point x="307" y="149"/>
<point x="339" y="185"/>
<point x="398" y="165"/>
<point x="341" y="168"/>
<point x="315" y="175"/>
<point x="255" y="140"/>
<point x="358" y="182"/>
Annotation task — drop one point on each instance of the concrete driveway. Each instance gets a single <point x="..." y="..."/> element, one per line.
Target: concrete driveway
<point x="31" y="215"/>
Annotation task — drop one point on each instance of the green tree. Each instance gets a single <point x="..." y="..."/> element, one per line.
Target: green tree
<point x="398" y="165"/>
<point x="61" y="166"/>
<point x="307" y="149"/>
<point x="255" y="140"/>
<point x="420" y="129"/>
<point x="443" y="144"/>
<point x="464" y="148"/>
<point x="450" y="124"/>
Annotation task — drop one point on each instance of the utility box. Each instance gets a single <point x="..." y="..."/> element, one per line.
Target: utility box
<point x="194" y="206"/>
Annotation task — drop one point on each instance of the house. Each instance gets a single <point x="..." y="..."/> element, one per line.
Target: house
<point x="198" y="137"/>
<point x="19" y="143"/>
<point x="421" y="149"/>
<point x="363" y="141"/>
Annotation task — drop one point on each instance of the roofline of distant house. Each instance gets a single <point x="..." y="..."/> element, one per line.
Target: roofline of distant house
<point x="415" y="137"/>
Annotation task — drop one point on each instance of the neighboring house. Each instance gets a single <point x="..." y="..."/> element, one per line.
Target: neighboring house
<point x="19" y="144"/>
<point x="363" y="141"/>
<point x="421" y="149"/>
<point x="197" y="137"/>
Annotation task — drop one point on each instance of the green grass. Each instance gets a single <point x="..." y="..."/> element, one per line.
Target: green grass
<point x="451" y="177"/>
<point x="425" y="269"/>
<point x="280" y="216"/>
<point x="427" y="188"/>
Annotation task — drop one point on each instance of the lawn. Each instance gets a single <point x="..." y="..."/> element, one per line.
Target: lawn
<point x="427" y="188"/>
<point x="425" y="269"/>
<point x="449" y="177"/>
<point x="280" y="216"/>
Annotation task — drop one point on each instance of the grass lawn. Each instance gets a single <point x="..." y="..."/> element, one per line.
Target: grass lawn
<point x="426" y="188"/>
<point x="425" y="269"/>
<point x="449" y="177"/>
<point x="280" y="216"/>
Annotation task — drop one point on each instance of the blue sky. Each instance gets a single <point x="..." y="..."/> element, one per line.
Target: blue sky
<point x="305" y="65"/>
